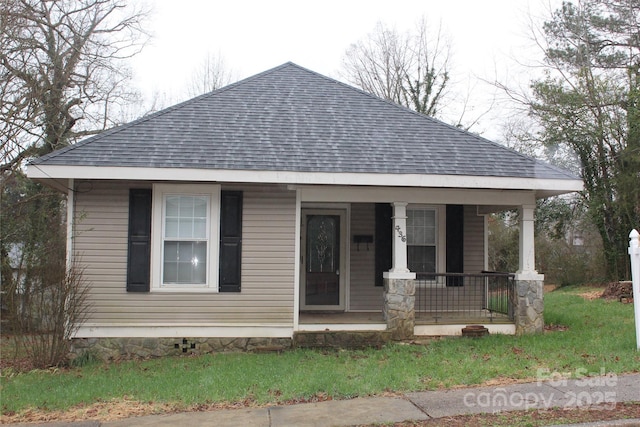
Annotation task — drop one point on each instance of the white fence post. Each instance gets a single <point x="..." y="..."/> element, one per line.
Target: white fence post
<point x="634" y="253"/>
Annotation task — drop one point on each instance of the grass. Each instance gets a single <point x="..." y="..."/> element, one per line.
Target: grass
<point x="600" y="337"/>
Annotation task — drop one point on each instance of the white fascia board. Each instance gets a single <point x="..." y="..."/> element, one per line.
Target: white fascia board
<point x="436" y="196"/>
<point x="302" y="178"/>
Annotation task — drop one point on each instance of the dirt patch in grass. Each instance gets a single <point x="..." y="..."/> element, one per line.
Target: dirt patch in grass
<point x="591" y="295"/>
<point x="112" y="410"/>
<point x="551" y="327"/>
<point x="533" y="418"/>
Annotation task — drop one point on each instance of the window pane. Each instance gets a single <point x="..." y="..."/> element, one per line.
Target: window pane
<point x="200" y="228"/>
<point x="171" y="228"/>
<point x="429" y="217"/>
<point x="421" y="259"/>
<point x="429" y="235"/>
<point x="418" y="236"/>
<point x="200" y="207"/>
<point x="186" y="206"/>
<point x="170" y="251"/>
<point x="199" y="262"/>
<point x="173" y="206"/>
<point x="185" y="263"/>
<point x="184" y="272"/>
<point x="170" y="272"/>
<point x="200" y="251"/>
<point x="185" y="251"/>
<point x="186" y="228"/>
<point x="419" y="219"/>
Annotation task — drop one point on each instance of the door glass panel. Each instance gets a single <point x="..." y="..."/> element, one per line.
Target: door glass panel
<point x="321" y="244"/>
<point x="323" y="260"/>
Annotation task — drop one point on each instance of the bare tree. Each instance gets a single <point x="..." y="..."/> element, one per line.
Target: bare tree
<point x="211" y="74"/>
<point x="410" y="69"/>
<point x="62" y="71"/>
<point x="63" y="76"/>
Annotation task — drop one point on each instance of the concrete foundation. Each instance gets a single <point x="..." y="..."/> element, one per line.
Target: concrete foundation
<point x="125" y="348"/>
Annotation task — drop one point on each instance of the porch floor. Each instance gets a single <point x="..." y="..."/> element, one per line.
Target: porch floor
<point x="315" y="318"/>
<point x="422" y="318"/>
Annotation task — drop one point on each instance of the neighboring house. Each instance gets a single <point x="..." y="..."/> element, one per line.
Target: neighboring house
<point x="291" y="202"/>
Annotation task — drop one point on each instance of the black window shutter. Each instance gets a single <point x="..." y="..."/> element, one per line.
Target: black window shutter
<point x="383" y="244"/>
<point x="139" y="245"/>
<point x="455" y="243"/>
<point x="230" y="240"/>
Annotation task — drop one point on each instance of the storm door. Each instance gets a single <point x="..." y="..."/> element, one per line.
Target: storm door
<point x="322" y="284"/>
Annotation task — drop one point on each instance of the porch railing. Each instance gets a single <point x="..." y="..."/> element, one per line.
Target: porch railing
<point x="451" y="297"/>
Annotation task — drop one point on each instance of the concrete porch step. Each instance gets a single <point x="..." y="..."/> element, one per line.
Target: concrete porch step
<point x="341" y="339"/>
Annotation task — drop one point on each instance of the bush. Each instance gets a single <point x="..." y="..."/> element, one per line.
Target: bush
<point x="52" y="314"/>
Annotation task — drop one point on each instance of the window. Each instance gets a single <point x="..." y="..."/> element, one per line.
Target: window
<point x="185" y="237"/>
<point x="425" y="239"/>
<point x="421" y="240"/>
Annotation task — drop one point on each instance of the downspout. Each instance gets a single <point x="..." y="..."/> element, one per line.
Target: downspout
<point x="71" y="200"/>
<point x="297" y="256"/>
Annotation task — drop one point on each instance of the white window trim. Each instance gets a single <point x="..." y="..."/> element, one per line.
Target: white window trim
<point x="441" y="238"/>
<point x="157" y="227"/>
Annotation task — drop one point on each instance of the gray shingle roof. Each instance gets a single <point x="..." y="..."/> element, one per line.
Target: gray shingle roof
<point x="292" y="119"/>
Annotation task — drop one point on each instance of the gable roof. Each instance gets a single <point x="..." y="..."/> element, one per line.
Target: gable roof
<point x="290" y="119"/>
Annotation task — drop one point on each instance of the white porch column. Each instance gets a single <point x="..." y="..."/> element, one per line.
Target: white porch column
<point x="399" y="283"/>
<point x="527" y="259"/>
<point x="399" y="268"/>
<point x="529" y="298"/>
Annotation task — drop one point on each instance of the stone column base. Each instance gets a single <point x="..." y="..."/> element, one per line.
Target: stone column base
<point x="399" y="307"/>
<point x="529" y="306"/>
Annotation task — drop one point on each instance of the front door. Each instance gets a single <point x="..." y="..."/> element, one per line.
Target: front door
<point x="323" y="252"/>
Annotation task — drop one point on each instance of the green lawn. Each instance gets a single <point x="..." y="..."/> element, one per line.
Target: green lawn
<point x="600" y="336"/>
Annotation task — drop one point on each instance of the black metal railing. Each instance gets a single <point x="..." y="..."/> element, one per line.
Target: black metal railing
<point x="451" y="297"/>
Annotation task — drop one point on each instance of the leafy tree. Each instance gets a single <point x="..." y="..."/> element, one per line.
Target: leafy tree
<point x="409" y="69"/>
<point x="588" y="103"/>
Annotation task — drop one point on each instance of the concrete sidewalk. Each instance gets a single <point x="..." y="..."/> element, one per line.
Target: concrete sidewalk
<point x="602" y="392"/>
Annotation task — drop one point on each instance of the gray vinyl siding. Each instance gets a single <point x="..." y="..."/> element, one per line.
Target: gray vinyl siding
<point x="268" y="249"/>
<point x="364" y="295"/>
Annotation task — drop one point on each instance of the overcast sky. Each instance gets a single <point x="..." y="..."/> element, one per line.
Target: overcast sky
<point x="253" y="36"/>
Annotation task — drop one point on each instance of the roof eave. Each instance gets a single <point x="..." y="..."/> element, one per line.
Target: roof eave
<point x="544" y="187"/>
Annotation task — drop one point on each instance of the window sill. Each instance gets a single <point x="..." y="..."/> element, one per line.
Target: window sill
<point x="185" y="289"/>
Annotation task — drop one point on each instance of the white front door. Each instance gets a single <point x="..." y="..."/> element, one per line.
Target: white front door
<point x="323" y="259"/>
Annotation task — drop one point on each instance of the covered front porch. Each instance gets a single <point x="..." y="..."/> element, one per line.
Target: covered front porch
<point x="486" y="298"/>
<point x="422" y="270"/>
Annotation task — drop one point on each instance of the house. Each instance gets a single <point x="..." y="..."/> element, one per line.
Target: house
<point x="290" y="202"/>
